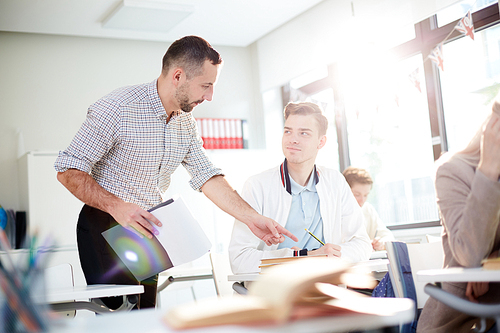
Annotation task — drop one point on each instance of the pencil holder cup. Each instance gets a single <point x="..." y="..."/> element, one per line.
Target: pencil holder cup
<point x="22" y="301"/>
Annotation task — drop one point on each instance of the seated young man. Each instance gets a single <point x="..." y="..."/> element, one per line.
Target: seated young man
<point x="298" y="195"/>
<point x="361" y="183"/>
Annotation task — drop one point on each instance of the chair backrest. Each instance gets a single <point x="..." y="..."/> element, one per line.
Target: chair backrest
<point x="60" y="277"/>
<point x="400" y="270"/>
<point x="220" y="270"/>
<point x="424" y="256"/>
<point x="432" y="238"/>
<point x="419" y="257"/>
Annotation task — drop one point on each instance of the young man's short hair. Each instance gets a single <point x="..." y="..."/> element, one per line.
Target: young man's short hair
<point x="190" y="54"/>
<point x="357" y="176"/>
<point x="307" y="108"/>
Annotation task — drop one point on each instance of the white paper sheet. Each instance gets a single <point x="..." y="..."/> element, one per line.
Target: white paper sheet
<point x="180" y="235"/>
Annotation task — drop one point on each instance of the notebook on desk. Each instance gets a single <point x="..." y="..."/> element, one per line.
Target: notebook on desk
<point x="378" y="255"/>
<point x="180" y="240"/>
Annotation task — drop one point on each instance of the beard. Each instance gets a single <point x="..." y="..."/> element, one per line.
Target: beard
<point x="181" y="94"/>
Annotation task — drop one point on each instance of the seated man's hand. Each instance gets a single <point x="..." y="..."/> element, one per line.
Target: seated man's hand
<point x="377" y="244"/>
<point x="332" y="250"/>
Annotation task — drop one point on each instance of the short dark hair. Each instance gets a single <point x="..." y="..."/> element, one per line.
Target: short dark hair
<point x="357" y="176"/>
<point x="190" y="53"/>
<point x="307" y="108"/>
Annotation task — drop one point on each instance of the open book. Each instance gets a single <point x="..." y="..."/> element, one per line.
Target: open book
<point x="491" y="263"/>
<point x="180" y="240"/>
<point x="299" y="289"/>
<point x="270" y="262"/>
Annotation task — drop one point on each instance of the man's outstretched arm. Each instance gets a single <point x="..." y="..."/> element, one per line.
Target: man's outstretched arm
<point x="218" y="190"/>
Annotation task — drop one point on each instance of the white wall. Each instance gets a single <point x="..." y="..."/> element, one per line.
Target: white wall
<point x="48" y="82"/>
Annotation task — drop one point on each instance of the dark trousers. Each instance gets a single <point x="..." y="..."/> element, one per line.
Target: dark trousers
<point x="99" y="262"/>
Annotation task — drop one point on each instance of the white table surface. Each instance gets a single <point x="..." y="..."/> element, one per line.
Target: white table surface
<point x="92" y="291"/>
<point x="373" y="265"/>
<point x="376" y="265"/>
<point x="378" y="255"/>
<point x="187" y="271"/>
<point x="399" y="310"/>
<point x="458" y="274"/>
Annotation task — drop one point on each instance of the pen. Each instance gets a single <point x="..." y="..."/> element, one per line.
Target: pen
<point x="316" y="238"/>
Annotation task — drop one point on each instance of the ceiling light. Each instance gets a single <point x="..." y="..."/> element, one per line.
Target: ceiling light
<point x="146" y="16"/>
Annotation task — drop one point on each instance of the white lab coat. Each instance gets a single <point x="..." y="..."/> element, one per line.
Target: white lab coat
<point x="343" y="222"/>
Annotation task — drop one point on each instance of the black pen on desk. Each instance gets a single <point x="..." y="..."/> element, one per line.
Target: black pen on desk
<point x="316" y="238"/>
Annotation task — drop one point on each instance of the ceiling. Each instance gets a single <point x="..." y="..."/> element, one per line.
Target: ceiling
<point x="221" y="22"/>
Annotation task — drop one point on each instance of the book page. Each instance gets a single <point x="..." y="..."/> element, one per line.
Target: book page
<point x="220" y="311"/>
<point x="305" y="273"/>
<point x="270" y="299"/>
<point x="491" y="263"/>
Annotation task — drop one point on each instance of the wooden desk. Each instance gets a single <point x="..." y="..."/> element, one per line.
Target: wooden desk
<point x="150" y="321"/>
<point x="458" y="274"/>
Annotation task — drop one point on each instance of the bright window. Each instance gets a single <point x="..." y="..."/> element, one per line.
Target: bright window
<point x="329" y="154"/>
<point x="389" y="135"/>
<point x="469" y="82"/>
<point x="459" y="9"/>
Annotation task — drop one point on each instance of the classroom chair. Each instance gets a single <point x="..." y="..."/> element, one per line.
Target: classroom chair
<point x="221" y="269"/>
<point x="186" y="273"/>
<point x="405" y="260"/>
<point x="59" y="277"/>
<point x="482" y="311"/>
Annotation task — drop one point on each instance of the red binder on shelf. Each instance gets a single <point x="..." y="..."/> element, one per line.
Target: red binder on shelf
<point x="204" y="131"/>
<point x="217" y="134"/>
<point x="221" y="133"/>
<point x="227" y="134"/>
<point x="239" y="134"/>
<point x="232" y="135"/>
<point x="210" y="133"/>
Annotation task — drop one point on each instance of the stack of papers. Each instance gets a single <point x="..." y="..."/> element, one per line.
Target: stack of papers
<point x="180" y="240"/>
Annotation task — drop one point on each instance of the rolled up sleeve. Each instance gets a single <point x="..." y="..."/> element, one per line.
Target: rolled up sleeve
<point x="93" y="140"/>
